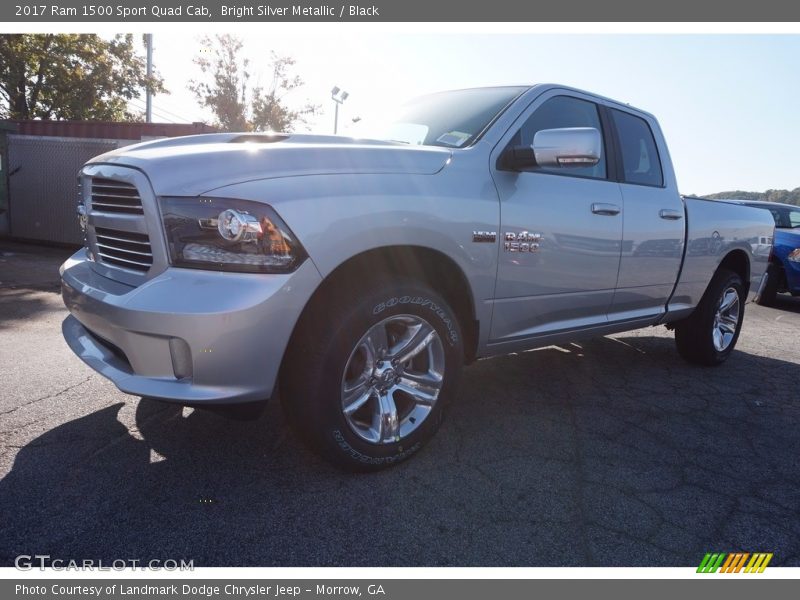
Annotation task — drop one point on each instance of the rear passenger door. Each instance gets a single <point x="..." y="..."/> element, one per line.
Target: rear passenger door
<point x="653" y="220"/>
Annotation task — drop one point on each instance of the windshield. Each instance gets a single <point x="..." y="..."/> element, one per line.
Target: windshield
<point x="450" y="119"/>
<point x="785" y="218"/>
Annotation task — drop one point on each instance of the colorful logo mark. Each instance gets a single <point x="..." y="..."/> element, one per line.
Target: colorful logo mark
<point x="734" y="562"/>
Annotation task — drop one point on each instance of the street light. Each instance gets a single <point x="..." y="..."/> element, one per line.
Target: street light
<point x="338" y="96"/>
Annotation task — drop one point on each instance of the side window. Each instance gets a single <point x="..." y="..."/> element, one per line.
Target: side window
<point x="640" y="162"/>
<point x="780" y="220"/>
<point x="558" y="112"/>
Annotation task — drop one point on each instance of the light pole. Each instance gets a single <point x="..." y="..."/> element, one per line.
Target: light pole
<point x="338" y="96"/>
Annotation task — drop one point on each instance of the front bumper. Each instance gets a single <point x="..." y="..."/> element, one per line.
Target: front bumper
<point x="186" y="335"/>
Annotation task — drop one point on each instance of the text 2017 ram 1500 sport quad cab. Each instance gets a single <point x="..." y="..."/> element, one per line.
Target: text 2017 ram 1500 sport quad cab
<point x="357" y="276"/>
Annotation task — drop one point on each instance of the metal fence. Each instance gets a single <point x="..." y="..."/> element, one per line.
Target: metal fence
<point x="43" y="186"/>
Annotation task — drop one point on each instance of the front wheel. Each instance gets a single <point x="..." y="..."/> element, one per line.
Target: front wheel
<point x="368" y="376"/>
<point x="710" y="334"/>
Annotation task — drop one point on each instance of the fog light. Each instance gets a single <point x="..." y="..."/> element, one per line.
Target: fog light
<point x="794" y="255"/>
<point x="181" y="358"/>
<point x="236" y="226"/>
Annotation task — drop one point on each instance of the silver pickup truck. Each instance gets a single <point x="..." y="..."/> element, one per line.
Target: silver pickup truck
<point x="354" y="277"/>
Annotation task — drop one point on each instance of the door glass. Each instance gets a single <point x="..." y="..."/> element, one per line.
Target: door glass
<point x="640" y="160"/>
<point x="559" y="112"/>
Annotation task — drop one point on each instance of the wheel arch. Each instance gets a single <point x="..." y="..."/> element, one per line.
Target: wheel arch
<point x="738" y="261"/>
<point x="429" y="265"/>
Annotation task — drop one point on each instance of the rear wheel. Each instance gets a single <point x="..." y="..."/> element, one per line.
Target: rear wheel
<point x="710" y="334"/>
<point x="368" y="377"/>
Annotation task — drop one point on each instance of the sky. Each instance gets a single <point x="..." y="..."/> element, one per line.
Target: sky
<point x="729" y="105"/>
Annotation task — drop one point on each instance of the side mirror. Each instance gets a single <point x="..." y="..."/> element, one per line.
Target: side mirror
<point x="568" y="147"/>
<point x="556" y="148"/>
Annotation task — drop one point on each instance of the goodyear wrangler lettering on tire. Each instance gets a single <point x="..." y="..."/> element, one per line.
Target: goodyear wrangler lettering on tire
<point x="370" y="460"/>
<point x="452" y="334"/>
<point x="402" y="300"/>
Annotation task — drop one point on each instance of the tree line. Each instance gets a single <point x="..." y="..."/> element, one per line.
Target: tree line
<point x="783" y="196"/>
<point x="86" y="77"/>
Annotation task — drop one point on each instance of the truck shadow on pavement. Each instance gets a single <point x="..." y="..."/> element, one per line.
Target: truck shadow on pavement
<point x="28" y="281"/>
<point x="608" y="452"/>
<point x="787" y="303"/>
<point x="21" y="304"/>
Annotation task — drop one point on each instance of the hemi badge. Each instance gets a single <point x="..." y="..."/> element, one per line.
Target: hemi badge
<point x="484" y="236"/>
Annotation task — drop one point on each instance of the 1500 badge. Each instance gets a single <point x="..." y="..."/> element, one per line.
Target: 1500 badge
<point x="524" y="241"/>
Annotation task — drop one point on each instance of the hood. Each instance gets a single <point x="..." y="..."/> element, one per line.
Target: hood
<point x="196" y="164"/>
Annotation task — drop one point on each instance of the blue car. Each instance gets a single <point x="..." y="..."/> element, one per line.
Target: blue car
<point x="784" y="263"/>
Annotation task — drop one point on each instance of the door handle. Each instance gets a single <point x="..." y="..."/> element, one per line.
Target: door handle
<point x="670" y="214"/>
<point x="609" y="210"/>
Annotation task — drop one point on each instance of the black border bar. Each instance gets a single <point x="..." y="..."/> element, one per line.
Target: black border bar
<point x="284" y="11"/>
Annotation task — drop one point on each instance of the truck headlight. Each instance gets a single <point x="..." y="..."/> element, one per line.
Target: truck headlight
<point x="794" y="255"/>
<point x="228" y="235"/>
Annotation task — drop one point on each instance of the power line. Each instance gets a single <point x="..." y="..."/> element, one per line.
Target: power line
<point x="164" y="110"/>
<point x="161" y="114"/>
<point x="161" y="117"/>
<point x="189" y="119"/>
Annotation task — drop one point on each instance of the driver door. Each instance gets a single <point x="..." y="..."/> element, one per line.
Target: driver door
<point x="561" y="231"/>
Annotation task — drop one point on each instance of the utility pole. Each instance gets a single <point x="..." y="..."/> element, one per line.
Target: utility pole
<point x="148" y="37"/>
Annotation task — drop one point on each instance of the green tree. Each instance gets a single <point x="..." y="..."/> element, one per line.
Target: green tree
<point x="71" y="76"/>
<point x="225" y="89"/>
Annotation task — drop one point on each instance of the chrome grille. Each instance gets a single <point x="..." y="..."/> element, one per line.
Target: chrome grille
<point x="117" y="232"/>
<point x="111" y="196"/>
<point x="123" y="248"/>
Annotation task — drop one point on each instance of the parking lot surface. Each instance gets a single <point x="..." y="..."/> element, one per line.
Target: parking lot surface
<point x="607" y="452"/>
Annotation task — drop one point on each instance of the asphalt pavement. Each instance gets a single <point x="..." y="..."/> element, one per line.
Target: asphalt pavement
<point x="607" y="452"/>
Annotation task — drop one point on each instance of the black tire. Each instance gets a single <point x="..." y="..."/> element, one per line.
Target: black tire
<point x="694" y="336"/>
<point x="329" y="336"/>
<point x="770" y="291"/>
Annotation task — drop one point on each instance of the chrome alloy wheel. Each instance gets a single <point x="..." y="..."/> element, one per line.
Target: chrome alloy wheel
<point x="392" y="379"/>
<point x="726" y="319"/>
